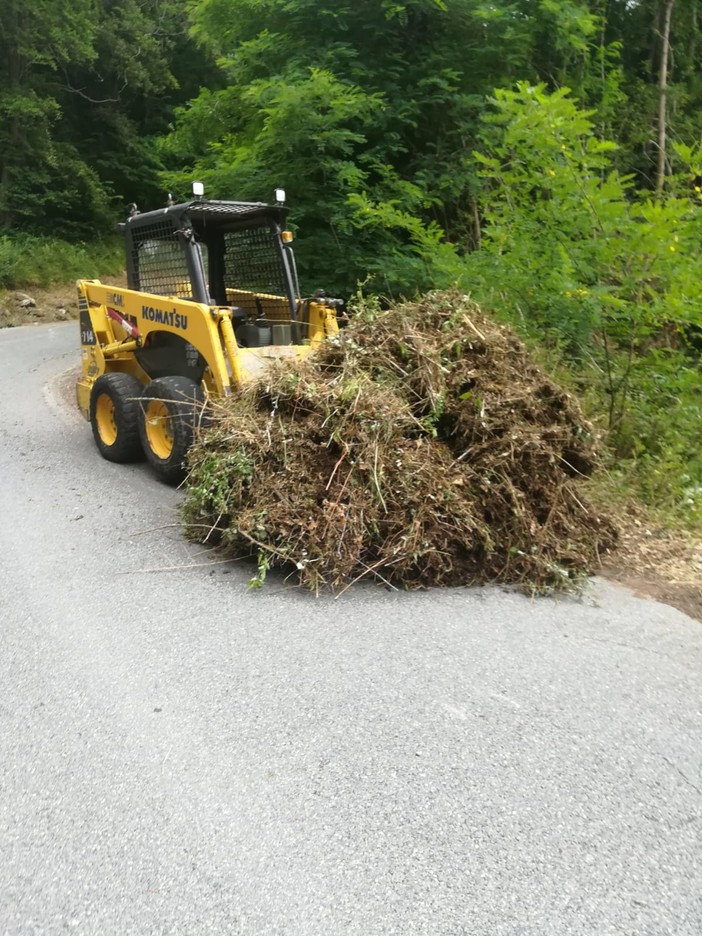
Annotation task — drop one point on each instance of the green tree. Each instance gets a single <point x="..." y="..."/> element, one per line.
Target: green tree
<point x="37" y="39"/>
<point x="84" y="86"/>
<point x="638" y="30"/>
<point x="366" y="111"/>
<point x="115" y="105"/>
<point x="610" y="276"/>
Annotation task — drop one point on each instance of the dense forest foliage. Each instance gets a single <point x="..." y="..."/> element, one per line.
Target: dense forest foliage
<point x="369" y="112"/>
<point x="545" y="155"/>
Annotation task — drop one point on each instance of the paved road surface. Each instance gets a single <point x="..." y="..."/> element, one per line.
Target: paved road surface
<point x="181" y="755"/>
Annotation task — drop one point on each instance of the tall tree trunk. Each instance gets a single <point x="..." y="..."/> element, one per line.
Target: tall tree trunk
<point x="475" y="236"/>
<point x="692" y="45"/>
<point x="663" y="96"/>
<point x="15" y="70"/>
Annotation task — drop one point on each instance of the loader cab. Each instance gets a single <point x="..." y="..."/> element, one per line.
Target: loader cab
<point x="223" y="254"/>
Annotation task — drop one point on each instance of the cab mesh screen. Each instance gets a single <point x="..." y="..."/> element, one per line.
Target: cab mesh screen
<point x="252" y="262"/>
<point x="159" y="261"/>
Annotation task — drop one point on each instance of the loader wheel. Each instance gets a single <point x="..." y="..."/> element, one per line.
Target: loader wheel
<point x="171" y="408"/>
<point x="114" y="417"/>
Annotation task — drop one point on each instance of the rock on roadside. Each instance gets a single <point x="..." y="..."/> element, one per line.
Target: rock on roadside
<point x="56" y="304"/>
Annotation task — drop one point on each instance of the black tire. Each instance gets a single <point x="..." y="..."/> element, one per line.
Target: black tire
<point x="114" y="417"/>
<point x="171" y="408"/>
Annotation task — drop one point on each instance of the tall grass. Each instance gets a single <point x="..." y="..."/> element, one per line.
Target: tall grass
<point x="28" y="261"/>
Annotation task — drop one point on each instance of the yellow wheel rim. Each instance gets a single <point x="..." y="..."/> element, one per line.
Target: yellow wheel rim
<point x="158" y="429"/>
<point x="105" y="419"/>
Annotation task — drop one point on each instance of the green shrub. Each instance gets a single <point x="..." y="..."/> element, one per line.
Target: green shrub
<point x="610" y="277"/>
<point x="27" y="261"/>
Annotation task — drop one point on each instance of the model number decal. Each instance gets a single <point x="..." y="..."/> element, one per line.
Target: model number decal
<point x="87" y="335"/>
<point x="165" y="317"/>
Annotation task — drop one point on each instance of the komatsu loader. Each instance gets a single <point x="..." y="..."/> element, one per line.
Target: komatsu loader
<point x="212" y="298"/>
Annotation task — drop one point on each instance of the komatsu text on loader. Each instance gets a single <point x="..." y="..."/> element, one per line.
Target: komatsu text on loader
<point x="212" y="298"/>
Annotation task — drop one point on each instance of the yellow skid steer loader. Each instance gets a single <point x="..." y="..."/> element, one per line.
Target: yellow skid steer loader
<point x="212" y="298"/>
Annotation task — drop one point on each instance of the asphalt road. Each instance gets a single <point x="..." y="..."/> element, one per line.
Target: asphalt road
<point x="181" y="755"/>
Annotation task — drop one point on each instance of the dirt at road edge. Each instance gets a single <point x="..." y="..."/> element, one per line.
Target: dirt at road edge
<point x="58" y="303"/>
<point x="659" y="564"/>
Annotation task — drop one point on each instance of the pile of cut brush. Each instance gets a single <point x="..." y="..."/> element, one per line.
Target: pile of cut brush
<point x="421" y="447"/>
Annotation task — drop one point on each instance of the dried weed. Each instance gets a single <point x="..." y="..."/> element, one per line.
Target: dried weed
<point x="422" y="446"/>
